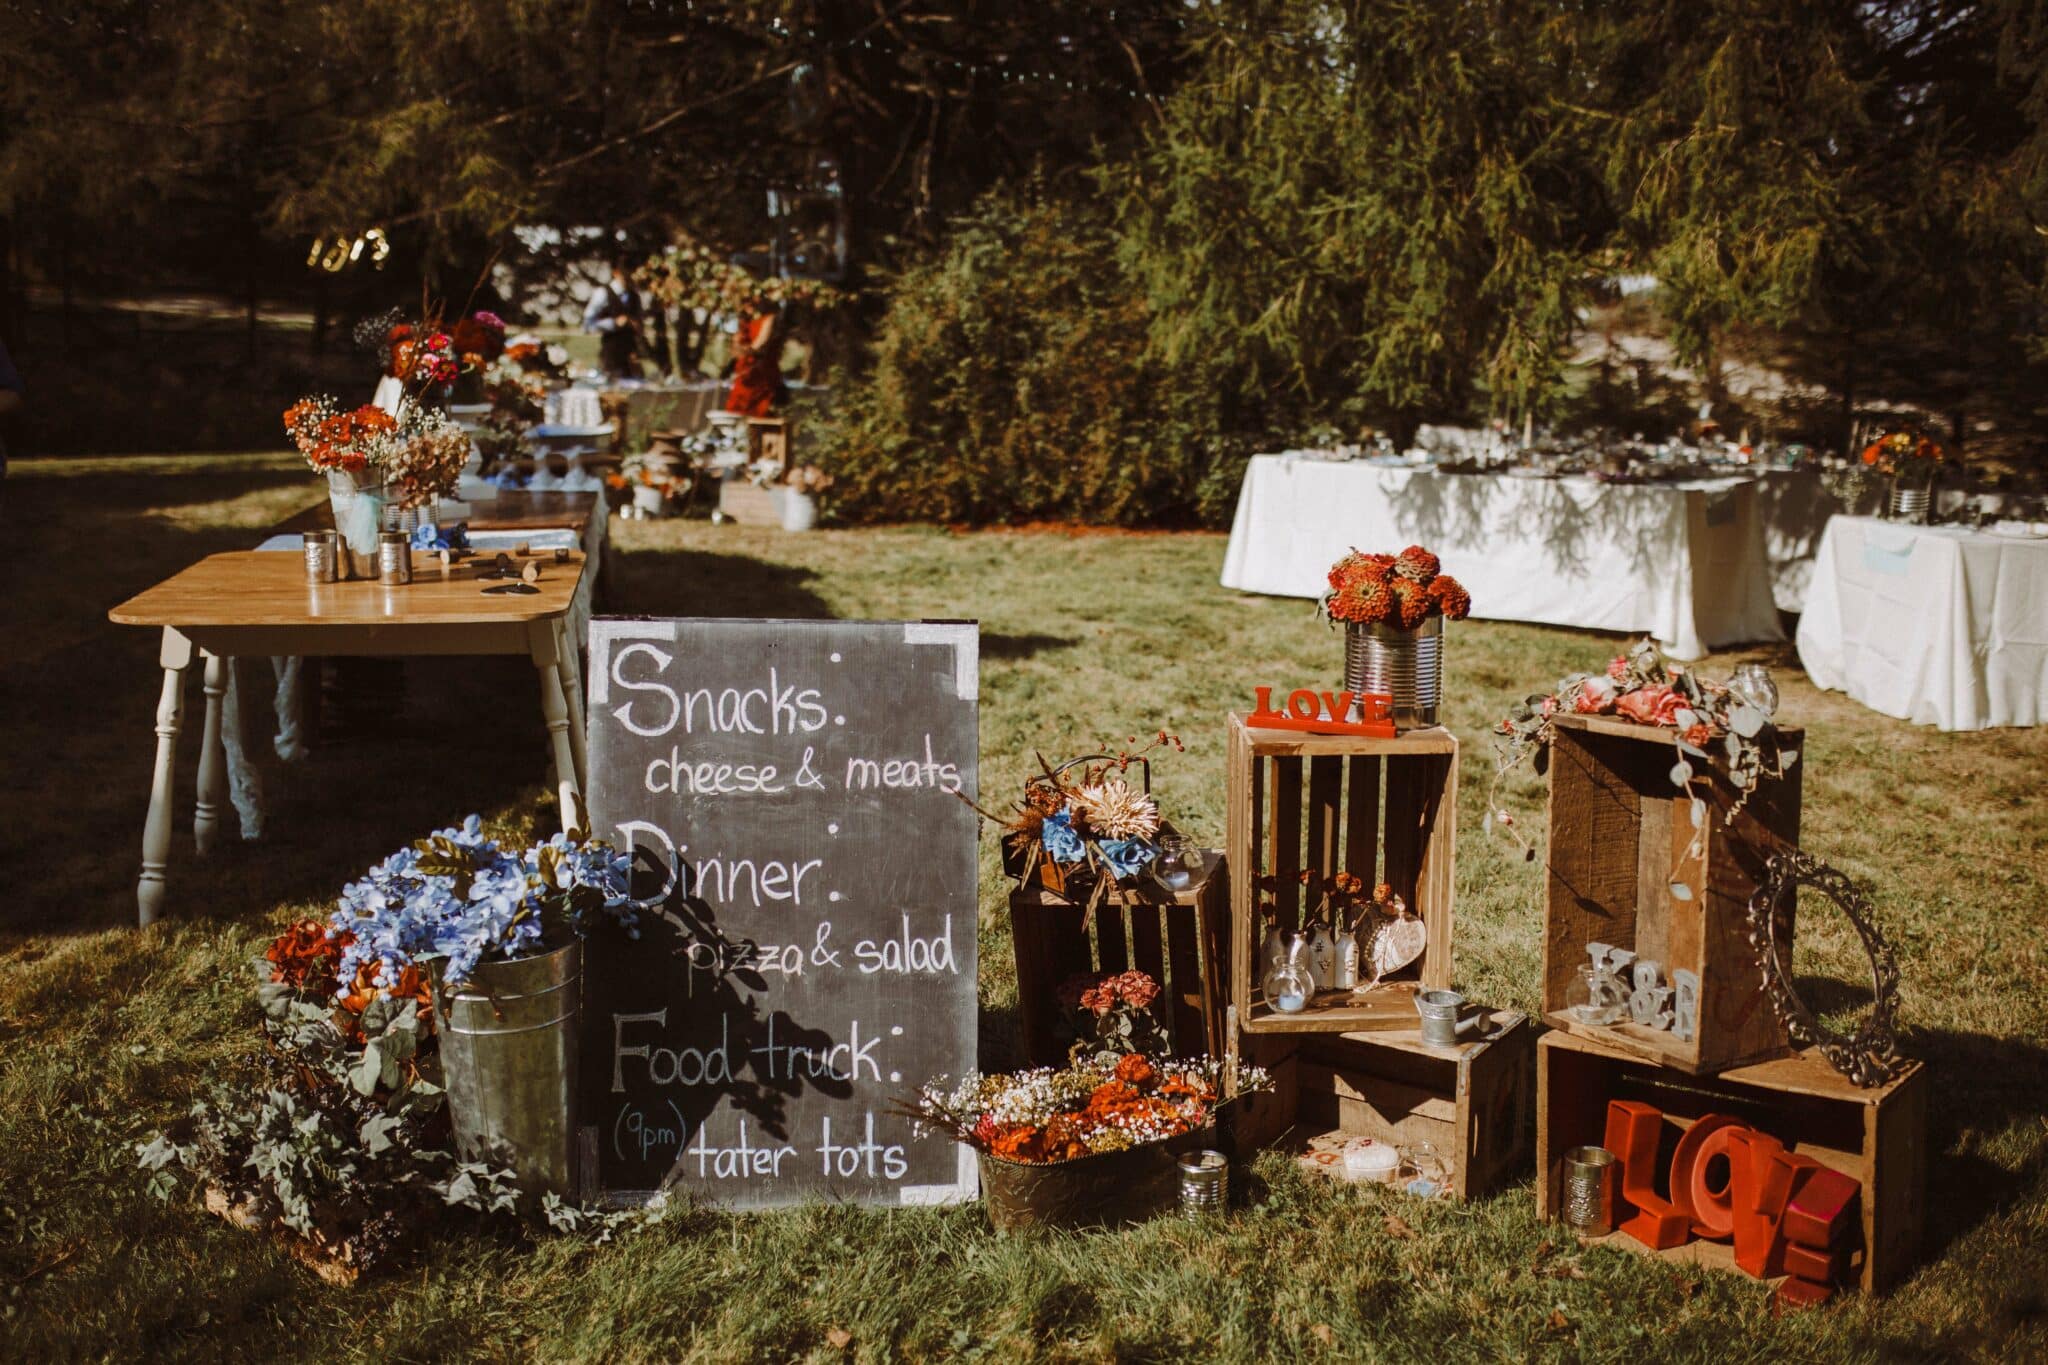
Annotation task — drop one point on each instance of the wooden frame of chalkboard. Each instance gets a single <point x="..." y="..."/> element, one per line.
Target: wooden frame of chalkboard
<point x="808" y="952"/>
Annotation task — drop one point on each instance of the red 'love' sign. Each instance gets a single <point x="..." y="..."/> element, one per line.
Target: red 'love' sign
<point x="1325" y="713"/>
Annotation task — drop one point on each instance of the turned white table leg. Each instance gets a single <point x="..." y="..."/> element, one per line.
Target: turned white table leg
<point x="572" y="685"/>
<point x="156" y="829"/>
<point x="554" y="708"/>
<point x="212" y="759"/>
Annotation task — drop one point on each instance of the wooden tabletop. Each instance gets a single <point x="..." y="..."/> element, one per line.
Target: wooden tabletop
<point x="510" y="510"/>
<point x="269" y="588"/>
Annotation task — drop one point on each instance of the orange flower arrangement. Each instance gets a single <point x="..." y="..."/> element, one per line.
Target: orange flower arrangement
<point x="305" y="957"/>
<point x="369" y="985"/>
<point x="1905" y="451"/>
<point x="1089" y="1109"/>
<point x="332" y="439"/>
<point x="1401" y="590"/>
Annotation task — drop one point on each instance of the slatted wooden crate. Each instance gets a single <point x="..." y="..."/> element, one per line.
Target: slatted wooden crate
<point x="1877" y="1137"/>
<point x="1179" y="939"/>
<point x="746" y="502"/>
<point x="1618" y="828"/>
<point x="1384" y="810"/>
<point x="1472" y="1103"/>
<point x="770" y="438"/>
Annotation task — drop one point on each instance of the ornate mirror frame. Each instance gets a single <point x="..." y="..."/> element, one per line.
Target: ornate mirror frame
<point x="1869" y="1057"/>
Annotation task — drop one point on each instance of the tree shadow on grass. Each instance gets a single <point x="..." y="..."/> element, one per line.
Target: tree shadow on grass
<point x="997" y="645"/>
<point x="1981" y="1087"/>
<point x="705" y="584"/>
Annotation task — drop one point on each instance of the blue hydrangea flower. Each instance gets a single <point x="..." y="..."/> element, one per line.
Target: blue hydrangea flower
<point x="1062" y="844"/>
<point x="1127" y="857"/>
<point x="429" y="536"/>
<point x="400" y="913"/>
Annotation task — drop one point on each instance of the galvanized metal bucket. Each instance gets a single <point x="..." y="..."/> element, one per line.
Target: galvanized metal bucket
<point x="508" y="1052"/>
<point x="1407" y="665"/>
<point x="1909" y="504"/>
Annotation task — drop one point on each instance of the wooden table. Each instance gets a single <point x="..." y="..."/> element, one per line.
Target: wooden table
<point x="254" y="602"/>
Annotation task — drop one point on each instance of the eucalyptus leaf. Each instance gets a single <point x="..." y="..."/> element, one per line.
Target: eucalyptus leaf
<point x="368" y="1072"/>
<point x="1680" y="891"/>
<point x="1787" y="757"/>
<point x="1685" y="718"/>
<point x="1699" y="813"/>
<point x="1747" y="721"/>
<point x="376" y="1133"/>
<point x="1694" y="751"/>
<point x="1681" y="773"/>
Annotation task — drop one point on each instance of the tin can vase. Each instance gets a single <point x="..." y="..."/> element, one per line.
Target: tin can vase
<point x="398" y="517"/>
<point x="1407" y="665"/>
<point x="508" y="1054"/>
<point x="1590" y="1176"/>
<point x="1909" y="504"/>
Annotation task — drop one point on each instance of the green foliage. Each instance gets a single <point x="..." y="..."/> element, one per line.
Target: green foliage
<point x="1013" y="380"/>
<point x="346" y="1143"/>
<point x="1361" y="211"/>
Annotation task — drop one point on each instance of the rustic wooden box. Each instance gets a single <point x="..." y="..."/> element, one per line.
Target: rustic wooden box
<point x="746" y="502"/>
<point x="1176" y="938"/>
<point x="770" y="438"/>
<point x="1382" y="809"/>
<point x="1472" y="1103"/>
<point x="1618" y="826"/>
<point x="1877" y="1137"/>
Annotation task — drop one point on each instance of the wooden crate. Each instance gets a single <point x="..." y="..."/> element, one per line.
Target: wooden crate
<point x="1382" y="809"/>
<point x="770" y="438"/>
<point x="1472" y="1103"/>
<point x="1176" y="938"/>
<point x="746" y="502"/>
<point x="1618" y="826"/>
<point x="1876" y="1137"/>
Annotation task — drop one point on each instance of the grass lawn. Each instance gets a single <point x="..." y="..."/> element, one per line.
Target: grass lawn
<point x="107" y="1033"/>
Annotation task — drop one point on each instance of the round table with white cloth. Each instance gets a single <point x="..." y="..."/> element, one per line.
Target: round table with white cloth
<point x="1933" y="624"/>
<point x="1683" y="562"/>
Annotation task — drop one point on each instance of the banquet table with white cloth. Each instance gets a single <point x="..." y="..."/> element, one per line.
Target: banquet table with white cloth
<point x="1932" y="624"/>
<point x="1683" y="562"/>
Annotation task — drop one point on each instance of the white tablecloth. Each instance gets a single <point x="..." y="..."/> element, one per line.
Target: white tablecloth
<point x="1682" y="562"/>
<point x="1936" y="625"/>
<point x="1795" y="508"/>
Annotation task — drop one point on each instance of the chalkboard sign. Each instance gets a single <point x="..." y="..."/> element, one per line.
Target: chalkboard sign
<point x="788" y="789"/>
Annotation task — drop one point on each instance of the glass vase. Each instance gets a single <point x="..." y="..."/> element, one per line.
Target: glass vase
<point x="1290" y="983"/>
<point x="358" y="504"/>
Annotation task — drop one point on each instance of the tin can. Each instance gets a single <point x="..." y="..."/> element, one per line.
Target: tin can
<point x="323" y="556"/>
<point x="394" y="557"/>
<point x="1204" y="1182"/>
<point x="1406" y="665"/>
<point x="1590" y="1175"/>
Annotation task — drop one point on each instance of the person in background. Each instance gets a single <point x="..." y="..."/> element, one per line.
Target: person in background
<point x="613" y="314"/>
<point x="757" y="386"/>
<point x="11" y="401"/>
